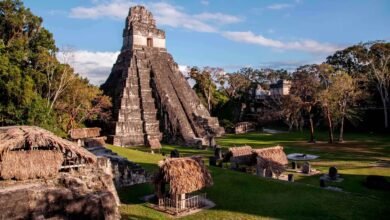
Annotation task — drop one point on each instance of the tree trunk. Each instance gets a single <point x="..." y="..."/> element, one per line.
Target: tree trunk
<point x="385" y="114"/>
<point x="329" y="117"/>
<point x="209" y="98"/>
<point x="341" y="137"/>
<point x="290" y="126"/>
<point x="311" y="130"/>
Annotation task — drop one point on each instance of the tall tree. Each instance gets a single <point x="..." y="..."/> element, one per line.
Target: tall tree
<point x="36" y="88"/>
<point x="345" y="92"/>
<point x="325" y="96"/>
<point x="206" y="82"/>
<point x="368" y="62"/>
<point x="306" y="85"/>
<point x="22" y="84"/>
<point x="238" y="84"/>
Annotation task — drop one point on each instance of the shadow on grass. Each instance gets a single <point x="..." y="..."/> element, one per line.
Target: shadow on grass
<point x="362" y="147"/>
<point x="135" y="217"/>
<point x="351" y="183"/>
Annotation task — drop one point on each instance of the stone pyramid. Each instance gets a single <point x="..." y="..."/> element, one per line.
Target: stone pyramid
<point x="152" y="101"/>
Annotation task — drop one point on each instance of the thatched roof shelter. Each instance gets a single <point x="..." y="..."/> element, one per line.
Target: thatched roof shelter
<point x="272" y="158"/>
<point x="240" y="155"/>
<point x="31" y="137"/>
<point x="241" y="151"/>
<point x="81" y="133"/>
<point x="184" y="175"/>
<point x="28" y="152"/>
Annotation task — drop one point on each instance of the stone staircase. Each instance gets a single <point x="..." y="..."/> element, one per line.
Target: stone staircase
<point x="137" y="117"/>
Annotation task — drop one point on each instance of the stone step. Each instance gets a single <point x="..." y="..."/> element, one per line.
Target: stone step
<point x="149" y="108"/>
<point x="130" y="98"/>
<point x="124" y="117"/>
<point x="129" y="111"/>
<point x="129" y="140"/>
<point x="149" y="102"/>
<point x="126" y="127"/>
<point x="130" y="102"/>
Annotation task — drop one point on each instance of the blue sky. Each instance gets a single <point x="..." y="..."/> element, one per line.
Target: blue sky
<point x="220" y="33"/>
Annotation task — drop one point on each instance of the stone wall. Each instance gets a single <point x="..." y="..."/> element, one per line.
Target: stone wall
<point x="124" y="172"/>
<point x="88" y="193"/>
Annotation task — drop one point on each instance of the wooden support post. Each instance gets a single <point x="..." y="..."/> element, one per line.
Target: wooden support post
<point x="183" y="201"/>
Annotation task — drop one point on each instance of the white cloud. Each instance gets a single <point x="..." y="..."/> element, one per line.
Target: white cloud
<point x="218" y="17"/>
<point x="279" y="6"/>
<point x="96" y="66"/>
<point x="172" y="16"/>
<point x="185" y="70"/>
<point x="302" y="45"/>
<point x="165" y="13"/>
<point x="116" y="9"/>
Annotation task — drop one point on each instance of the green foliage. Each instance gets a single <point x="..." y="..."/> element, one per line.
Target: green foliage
<point x="206" y="86"/>
<point x="35" y="88"/>
<point x="369" y="64"/>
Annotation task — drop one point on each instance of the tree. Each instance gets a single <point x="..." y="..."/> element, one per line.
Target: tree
<point x="306" y="84"/>
<point x="22" y="40"/>
<point x="346" y="93"/>
<point x="238" y="84"/>
<point x="377" y="57"/>
<point x="326" y="97"/>
<point x="82" y="101"/>
<point x="206" y="81"/>
<point x="287" y="108"/>
<point x="368" y="63"/>
<point x="35" y="88"/>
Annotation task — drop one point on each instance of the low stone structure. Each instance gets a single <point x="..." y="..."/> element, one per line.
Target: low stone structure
<point x="239" y="156"/>
<point x="84" y="135"/>
<point x="151" y="98"/>
<point x="271" y="161"/>
<point x="125" y="172"/>
<point x="29" y="152"/>
<point x="244" y="127"/>
<point x="84" y="194"/>
<point x="52" y="178"/>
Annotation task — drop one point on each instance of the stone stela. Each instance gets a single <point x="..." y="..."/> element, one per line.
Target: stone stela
<point x="151" y="98"/>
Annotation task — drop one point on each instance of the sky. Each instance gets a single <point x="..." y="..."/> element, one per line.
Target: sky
<point x="230" y="34"/>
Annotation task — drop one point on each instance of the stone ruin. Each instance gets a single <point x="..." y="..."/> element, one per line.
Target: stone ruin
<point x="84" y="193"/>
<point x="152" y="101"/>
<point x="125" y="172"/>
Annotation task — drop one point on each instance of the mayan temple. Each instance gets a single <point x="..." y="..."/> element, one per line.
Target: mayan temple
<point x="152" y="101"/>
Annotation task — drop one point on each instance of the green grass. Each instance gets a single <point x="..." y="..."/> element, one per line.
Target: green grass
<point x="245" y="196"/>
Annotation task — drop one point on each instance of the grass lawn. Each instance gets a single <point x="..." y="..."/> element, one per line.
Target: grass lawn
<point x="245" y="196"/>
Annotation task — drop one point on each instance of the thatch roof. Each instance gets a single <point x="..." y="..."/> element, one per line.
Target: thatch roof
<point x="184" y="175"/>
<point x="239" y="155"/>
<point x="30" y="137"/>
<point x="80" y="133"/>
<point x="272" y="158"/>
<point x="241" y="151"/>
<point x="22" y="165"/>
